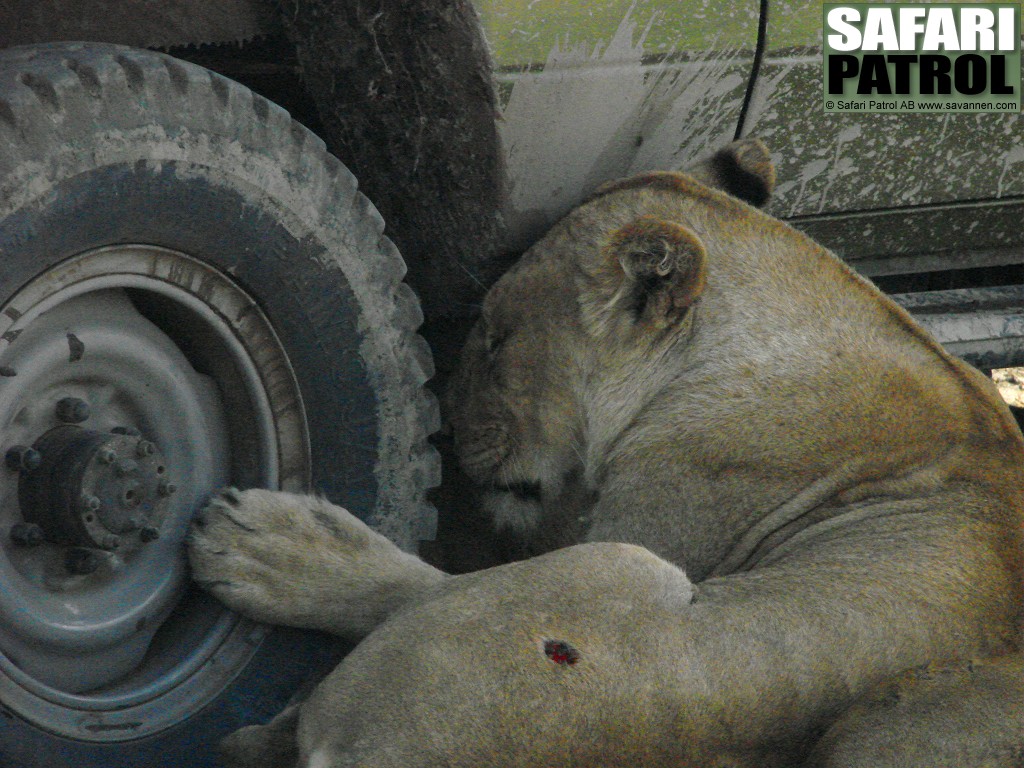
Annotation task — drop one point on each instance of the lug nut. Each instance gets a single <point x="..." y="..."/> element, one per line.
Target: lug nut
<point x="125" y="467"/>
<point x="72" y="410"/>
<point x="148" y="534"/>
<point x="106" y="455"/>
<point x="81" y="561"/>
<point x="26" y="534"/>
<point x="132" y="494"/>
<point x="89" y="503"/>
<point x="130" y="431"/>
<point x="111" y="541"/>
<point x="166" y="488"/>
<point x="144" y="448"/>
<point x="23" y="458"/>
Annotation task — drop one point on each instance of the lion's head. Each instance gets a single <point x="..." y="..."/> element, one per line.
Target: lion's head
<point x="671" y="364"/>
<point x="608" y="286"/>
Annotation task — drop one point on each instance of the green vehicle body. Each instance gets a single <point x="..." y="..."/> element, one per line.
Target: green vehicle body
<point x="593" y="90"/>
<point x="586" y="91"/>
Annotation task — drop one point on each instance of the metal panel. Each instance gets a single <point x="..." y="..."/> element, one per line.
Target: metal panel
<point x="925" y="239"/>
<point x="598" y="90"/>
<point x="984" y="326"/>
<point x="859" y="161"/>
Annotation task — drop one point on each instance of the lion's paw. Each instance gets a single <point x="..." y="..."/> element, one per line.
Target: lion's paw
<point x="254" y="551"/>
<point x="301" y="561"/>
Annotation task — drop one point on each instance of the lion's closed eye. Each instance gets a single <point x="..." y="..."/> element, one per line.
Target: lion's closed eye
<point x="494" y="341"/>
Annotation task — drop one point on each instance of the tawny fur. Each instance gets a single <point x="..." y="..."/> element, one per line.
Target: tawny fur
<point x="815" y="496"/>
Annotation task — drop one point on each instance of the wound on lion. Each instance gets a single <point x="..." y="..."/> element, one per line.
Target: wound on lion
<point x="561" y="652"/>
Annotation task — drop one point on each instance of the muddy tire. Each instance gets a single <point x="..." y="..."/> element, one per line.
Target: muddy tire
<point x="191" y="271"/>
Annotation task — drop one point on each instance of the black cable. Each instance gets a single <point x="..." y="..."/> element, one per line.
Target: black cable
<point x="755" y="67"/>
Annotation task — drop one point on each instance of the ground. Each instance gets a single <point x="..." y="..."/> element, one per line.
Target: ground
<point x="1011" y="385"/>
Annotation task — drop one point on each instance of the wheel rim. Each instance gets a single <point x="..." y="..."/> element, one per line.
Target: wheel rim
<point x="134" y="380"/>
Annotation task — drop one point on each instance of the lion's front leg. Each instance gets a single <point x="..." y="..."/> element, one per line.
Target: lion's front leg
<point x="301" y="561"/>
<point x="604" y="654"/>
<point x="552" y="661"/>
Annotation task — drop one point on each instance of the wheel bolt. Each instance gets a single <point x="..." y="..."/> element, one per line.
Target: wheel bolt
<point x="106" y="455"/>
<point x="26" y="534"/>
<point x="89" y="503"/>
<point x="166" y="488"/>
<point x="130" y="431"/>
<point x="125" y="467"/>
<point x="144" y="448"/>
<point x="72" y="410"/>
<point x="110" y="541"/>
<point x="81" y="561"/>
<point x="23" y="458"/>
<point x="148" y="534"/>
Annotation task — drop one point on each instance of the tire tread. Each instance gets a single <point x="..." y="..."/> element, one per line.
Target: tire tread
<point x="74" y="81"/>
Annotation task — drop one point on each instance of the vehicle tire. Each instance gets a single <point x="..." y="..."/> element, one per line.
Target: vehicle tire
<point x="192" y="294"/>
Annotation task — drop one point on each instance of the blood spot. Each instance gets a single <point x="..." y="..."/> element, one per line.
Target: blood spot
<point x="561" y="652"/>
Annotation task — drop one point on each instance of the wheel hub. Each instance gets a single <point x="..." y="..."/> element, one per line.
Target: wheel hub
<point x="97" y="490"/>
<point x="103" y="639"/>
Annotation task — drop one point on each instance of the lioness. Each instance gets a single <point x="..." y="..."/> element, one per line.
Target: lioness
<point x="809" y="496"/>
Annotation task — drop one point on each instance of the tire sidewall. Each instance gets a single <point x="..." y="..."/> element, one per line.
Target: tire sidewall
<point x="231" y="182"/>
<point x="163" y="204"/>
<point x="309" y="303"/>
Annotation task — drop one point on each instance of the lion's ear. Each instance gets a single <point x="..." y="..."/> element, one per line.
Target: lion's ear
<point x="744" y="169"/>
<point x="651" y="272"/>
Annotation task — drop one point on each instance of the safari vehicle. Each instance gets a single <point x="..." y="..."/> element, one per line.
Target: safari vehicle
<point x="193" y="293"/>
